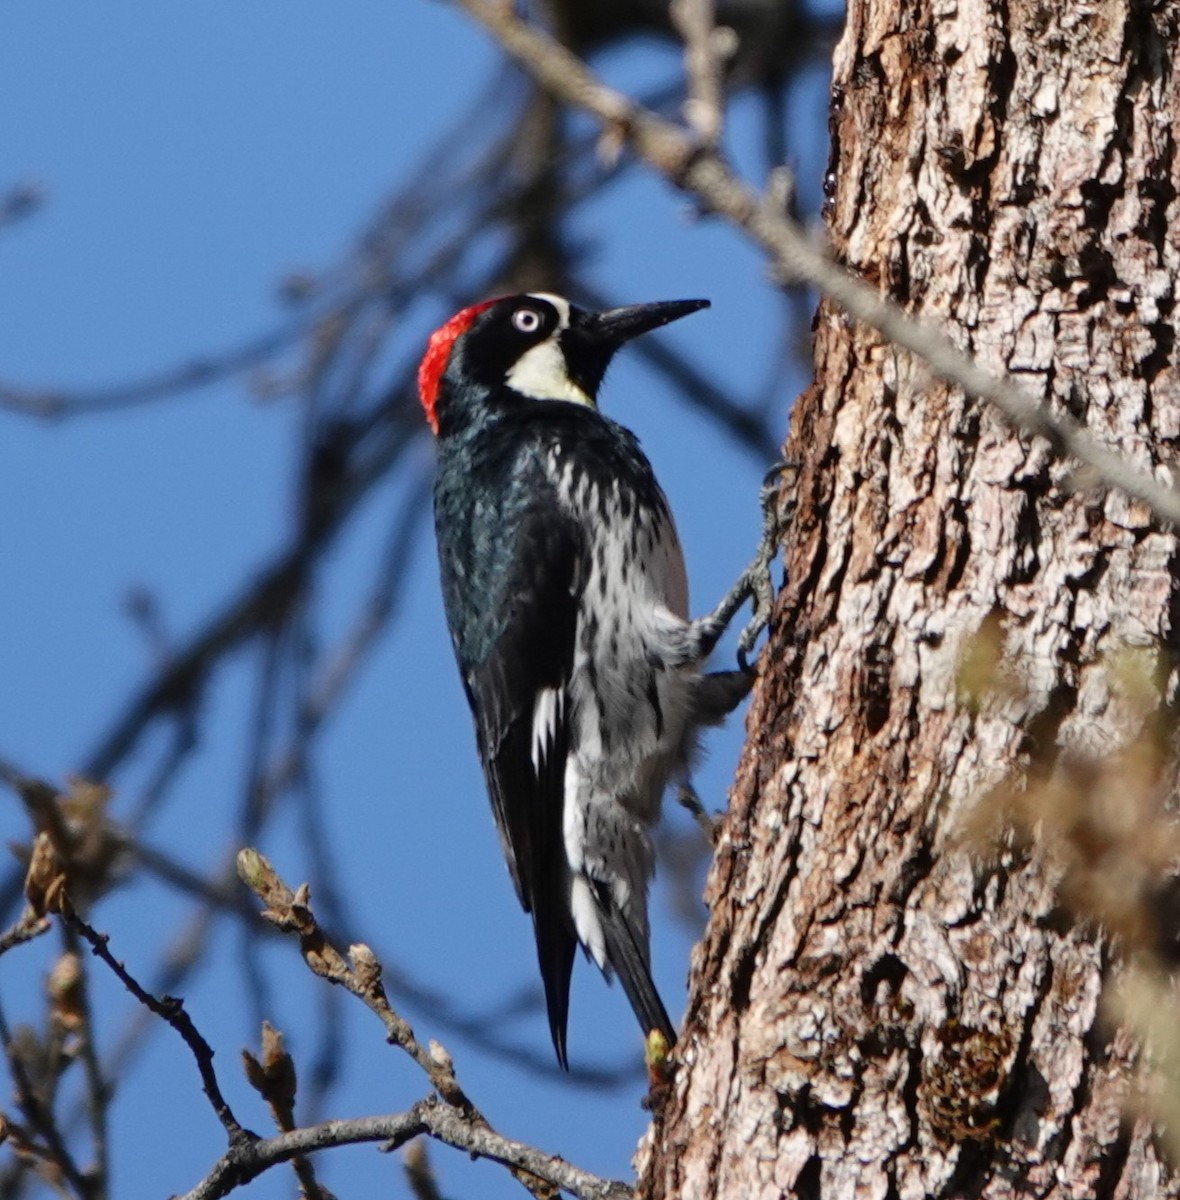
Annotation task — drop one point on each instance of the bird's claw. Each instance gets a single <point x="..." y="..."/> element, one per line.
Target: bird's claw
<point x="755" y="582"/>
<point x="686" y="794"/>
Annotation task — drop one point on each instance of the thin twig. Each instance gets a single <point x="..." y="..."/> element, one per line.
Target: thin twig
<point x="272" y="1074"/>
<point x="170" y="1009"/>
<point x="360" y="974"/>
<point x="684" y="162"/>
<point x="290" y="912"/>
<point x="705" y="49"/>
<point x="27" y="927"/>
<point x="39" y="1114"/>
<point x="57" y="404"/>
<point x="485" y="1026"/>
<point x="98" y="1094"/>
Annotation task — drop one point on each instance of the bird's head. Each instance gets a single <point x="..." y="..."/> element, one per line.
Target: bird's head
<point x="537" y="346"/>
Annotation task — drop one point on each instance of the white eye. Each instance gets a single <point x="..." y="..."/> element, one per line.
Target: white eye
<point x="527" y="320"/>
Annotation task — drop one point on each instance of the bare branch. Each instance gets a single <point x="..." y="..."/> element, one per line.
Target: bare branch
<point x="272" y="1075"/>
<point x="290" y="912"/>
<point x="27" y="927"/>
<point x="684" y="163"/>
<point x="52" y="404"/>
<point x="219" y="893"/>
<point x="361" y="975"/>
<point x="171" y="1009"/>
<point x="70" y="1006"/>
<point x="706" y="47"/>
<point x="247" y="1161"/>
<point x="38" y="1112"/>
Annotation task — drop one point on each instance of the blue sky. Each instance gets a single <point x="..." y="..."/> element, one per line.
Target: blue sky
<point x="191" y="159"/>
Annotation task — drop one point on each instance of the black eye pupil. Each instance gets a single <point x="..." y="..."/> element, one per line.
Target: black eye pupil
<point x="527" y="320"/>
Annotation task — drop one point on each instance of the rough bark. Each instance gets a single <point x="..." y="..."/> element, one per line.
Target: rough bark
<point x="875" y="1010"/>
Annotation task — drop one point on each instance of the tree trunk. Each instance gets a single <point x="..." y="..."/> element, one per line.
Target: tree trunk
<point x="877" y="1008"/>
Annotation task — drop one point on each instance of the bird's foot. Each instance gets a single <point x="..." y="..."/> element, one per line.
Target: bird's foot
<point x="687" y="796"/>
<point x="754" y="583"/>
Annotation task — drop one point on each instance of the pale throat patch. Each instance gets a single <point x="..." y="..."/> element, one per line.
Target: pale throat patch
<point x="540" y="373"/>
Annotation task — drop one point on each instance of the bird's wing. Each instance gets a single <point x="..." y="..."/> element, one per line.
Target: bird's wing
<point x="516" y="657"/>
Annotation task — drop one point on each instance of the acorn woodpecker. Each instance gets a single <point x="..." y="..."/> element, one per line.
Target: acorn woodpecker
<point x="566" y="597"/>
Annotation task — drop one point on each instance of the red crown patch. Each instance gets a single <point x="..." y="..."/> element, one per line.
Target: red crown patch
<point x="438" y="350"/>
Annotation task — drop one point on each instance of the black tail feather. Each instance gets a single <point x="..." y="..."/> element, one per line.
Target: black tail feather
<point x="555" y="954"/>
<point x="627" y="958"/>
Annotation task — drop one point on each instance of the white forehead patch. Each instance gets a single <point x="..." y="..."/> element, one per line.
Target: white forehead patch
<point x="559" y="302"/>
<point x="540" y="373"/>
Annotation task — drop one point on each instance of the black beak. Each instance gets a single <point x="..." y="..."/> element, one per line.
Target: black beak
<point x="612" y="328"/>
<point x="593" y="337"/>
